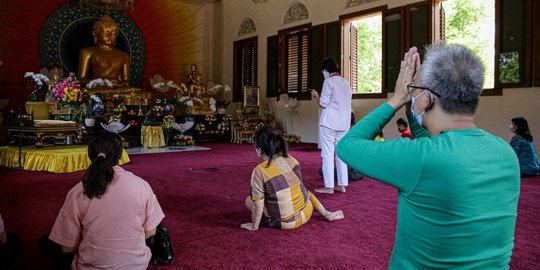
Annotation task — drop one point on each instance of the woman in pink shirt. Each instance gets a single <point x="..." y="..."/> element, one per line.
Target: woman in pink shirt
<point x="106" y="217"/>
<point x="10" y="245"/>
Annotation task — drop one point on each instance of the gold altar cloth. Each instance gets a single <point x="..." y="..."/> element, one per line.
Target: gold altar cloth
<point x="152" y="136"/>
<point x="54" y="159"/>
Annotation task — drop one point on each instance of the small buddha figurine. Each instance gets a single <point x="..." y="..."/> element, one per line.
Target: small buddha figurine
<point x="194" y="83"/>
<point x="104" y="60"/>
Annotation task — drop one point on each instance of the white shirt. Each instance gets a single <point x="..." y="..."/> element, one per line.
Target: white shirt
<point x="336" y="98"/>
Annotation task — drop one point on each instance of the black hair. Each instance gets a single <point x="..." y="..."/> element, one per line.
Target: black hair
<point x="522" y="128"/>
<point x="329" y="64"/>
<point x="270" y="143"/>
<point x="403" y="122"/>
<point x="104" y="150"/>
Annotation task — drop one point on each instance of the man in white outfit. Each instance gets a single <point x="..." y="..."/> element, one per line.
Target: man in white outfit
<point x="335" y="121"/>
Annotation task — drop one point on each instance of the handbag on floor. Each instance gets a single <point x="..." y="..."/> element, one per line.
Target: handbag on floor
<point x="162" y="246"/>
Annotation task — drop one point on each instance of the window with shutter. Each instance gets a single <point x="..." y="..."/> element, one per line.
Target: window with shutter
<point x="363" y="52"/>
<point x="500" y="32"/>
<point x="244" y="66"/>
<point x="353" y="57"/>
<point x="297" y="62"/>
<point x="294" y="60"/>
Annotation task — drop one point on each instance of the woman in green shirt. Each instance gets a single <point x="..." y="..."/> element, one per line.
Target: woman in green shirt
<point x="458" y="184"/>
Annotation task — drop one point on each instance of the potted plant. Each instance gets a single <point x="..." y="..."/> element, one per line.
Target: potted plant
<point x="222" y="105"/>
<point x="89" y="119"/>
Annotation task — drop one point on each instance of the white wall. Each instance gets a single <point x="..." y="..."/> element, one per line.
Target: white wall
<point x="493" y="115"/>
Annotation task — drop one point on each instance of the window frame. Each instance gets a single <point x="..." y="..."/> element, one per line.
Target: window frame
<point x="238" y="85"/>
<point x="531" y="13"/>
<point x="343" y="20"/>
<point x="401" y="12"/>
<point x="527" y="82"/>
<point x="283" y="60"/>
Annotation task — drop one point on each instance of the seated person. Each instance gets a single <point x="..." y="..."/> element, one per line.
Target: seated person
<point x="104" y="60"/>
<point x="106" y="217"/>
<point x="522" y="142"/>
<point x="10" y="245"/>
<point x="278" y="169"/>
<point x="403" y="128"/>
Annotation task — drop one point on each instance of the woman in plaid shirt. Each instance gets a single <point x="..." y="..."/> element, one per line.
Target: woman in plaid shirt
<point x="278" y="197"/>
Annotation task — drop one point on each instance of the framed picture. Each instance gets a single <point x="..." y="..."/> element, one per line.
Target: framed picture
<point x="251" y="96"/>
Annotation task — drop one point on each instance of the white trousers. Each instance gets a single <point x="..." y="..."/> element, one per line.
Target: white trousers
<point x="328" y="140"/>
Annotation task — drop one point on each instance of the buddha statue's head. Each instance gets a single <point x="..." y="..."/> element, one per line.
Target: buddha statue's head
<point x="105" y="31"/>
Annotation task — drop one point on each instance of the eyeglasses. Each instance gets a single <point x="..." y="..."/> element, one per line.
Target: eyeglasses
<point x="411" y="88"/>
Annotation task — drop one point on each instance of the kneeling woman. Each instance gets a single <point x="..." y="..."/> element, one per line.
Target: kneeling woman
<point x="106" y="217"/>
<point x="278" y="196"/>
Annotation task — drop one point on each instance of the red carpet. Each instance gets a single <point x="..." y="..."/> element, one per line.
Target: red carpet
<point x="202" y="194"/>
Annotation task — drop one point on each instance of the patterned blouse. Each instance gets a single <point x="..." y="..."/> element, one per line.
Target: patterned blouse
<point x="280" y="186"/>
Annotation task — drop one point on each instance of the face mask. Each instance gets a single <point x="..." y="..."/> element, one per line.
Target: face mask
<point x="259" y="152"/>
<point x="512" y="128"/>
<point x="326" y="74"/>
<point x="417" y="117"/>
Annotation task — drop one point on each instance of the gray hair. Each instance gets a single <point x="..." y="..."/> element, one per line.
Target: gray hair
<point x="456" y="74"/>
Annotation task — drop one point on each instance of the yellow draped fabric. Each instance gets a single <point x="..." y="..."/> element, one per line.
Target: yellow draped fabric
<point x="54" y="159"/>
<point x="152" y="136"/>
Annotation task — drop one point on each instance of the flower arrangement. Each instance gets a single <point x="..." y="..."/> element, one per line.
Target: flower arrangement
<point x="158" y="108"/>
<point x="114" y="118"/>
<point x="179" y="88"/>
<point x="159" y="83"/>
<point x="210" y="118"/>
<point x="99" y="82"/>
<point x="212" y="103"/>
<point x="38" y="78"/>
<point x="96" y="98"/>
<point x="223" y="127"/>
<point x="227" y="118"/>
<point x="183" y="140"/>
<point x="200" y="128"/>
<point x="119" y="109"/>
<point x="168" y="126"/>
<point x="291" y="138"/>
<point x="67" y="91"/>
<point x="188" y="102"/>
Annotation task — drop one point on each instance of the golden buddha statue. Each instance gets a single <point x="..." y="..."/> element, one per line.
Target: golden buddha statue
<point x="104" y="61"/>
<point x="194" y="83"/>
<point x="197" y="90"/>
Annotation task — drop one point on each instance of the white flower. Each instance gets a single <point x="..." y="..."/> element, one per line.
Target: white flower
<point x="37" y="77"/>
<point x="189" y="103"/>
<point x="227" y="88"/>
<point x="212" y="104"/>
<point x="158" y="85"/>
<point x="171" y="84"/>
<point x="95" y="98"/>
<point x="99" y="82"/>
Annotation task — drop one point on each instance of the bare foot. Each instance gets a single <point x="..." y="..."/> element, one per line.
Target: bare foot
<point x="341" y="189"/>
<point x="337" y="215"/>
<point x="325" y="190"/>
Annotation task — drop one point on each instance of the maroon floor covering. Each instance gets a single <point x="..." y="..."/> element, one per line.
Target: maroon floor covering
<point x="202" y="195"/>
